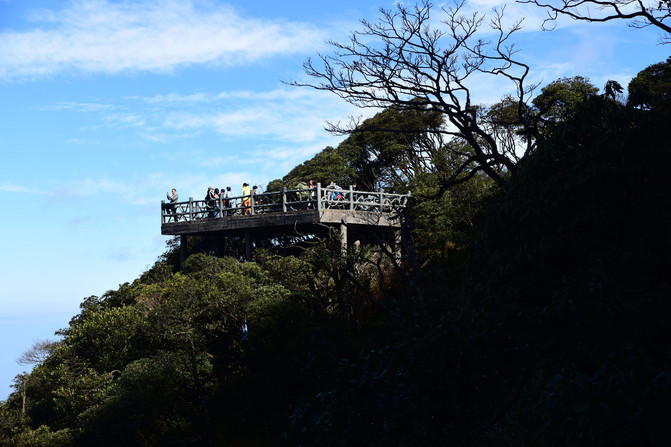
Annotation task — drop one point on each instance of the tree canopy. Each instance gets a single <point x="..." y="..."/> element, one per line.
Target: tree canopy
<point x="385" y="151"/>
<point x="651" y="88"/>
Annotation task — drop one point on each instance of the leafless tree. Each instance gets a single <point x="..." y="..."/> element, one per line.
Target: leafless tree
<point x="638" y="13"/>
<point x="410" y="61"/>
<point x="38" y="353"/>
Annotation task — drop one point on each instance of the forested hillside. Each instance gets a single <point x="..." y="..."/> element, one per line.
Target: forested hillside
<point x="530" y="307"/>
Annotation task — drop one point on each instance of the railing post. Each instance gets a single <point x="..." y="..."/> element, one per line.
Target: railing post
<point x="162" y="211"/>
<point x="190" y="209"/>
<point x="251" y="203"/>
<point x="381" y="199"/>
<point x="319" y="196"/>
<point x="221" y="206"/>
<point x="351" y="198"/>
<point x="283" y="199"/>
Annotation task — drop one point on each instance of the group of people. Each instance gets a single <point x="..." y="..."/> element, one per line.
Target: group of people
<point x="214" y="195"/>
<point x="308" y="192"/>
<point x="339" y="194"/>
<point x="212" y="201"/>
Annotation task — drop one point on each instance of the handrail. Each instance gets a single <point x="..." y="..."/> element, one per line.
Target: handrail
<point x="286" y="200"/>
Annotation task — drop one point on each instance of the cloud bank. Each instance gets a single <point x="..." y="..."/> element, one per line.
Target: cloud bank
<point x="99" y="36"/>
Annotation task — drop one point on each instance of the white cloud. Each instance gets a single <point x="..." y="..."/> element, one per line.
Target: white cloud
<point x="85" y="107"/>
<point x="176" y="98"/>
<point x="125" y="120"/>
<point x="131" y="190"/>
<point x="105" y="37"/>
<point x="13" y="187"/>
<point x="286" y="114"/>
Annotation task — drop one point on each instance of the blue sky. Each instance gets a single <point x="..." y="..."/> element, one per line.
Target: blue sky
<point x="106" y="105"/>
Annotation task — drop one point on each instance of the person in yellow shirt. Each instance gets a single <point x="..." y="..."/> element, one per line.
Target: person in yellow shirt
<point x="246" y="199"/>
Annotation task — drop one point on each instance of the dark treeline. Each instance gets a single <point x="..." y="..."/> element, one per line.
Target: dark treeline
<point x="530" y="312"/>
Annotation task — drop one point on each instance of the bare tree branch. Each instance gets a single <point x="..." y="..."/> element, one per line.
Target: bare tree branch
<point x="638" y="13"/>
<point x="38" y="353"/>
<point x="404" y="61"/>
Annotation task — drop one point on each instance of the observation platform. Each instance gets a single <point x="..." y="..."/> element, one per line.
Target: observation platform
<point x="354" y="213"/>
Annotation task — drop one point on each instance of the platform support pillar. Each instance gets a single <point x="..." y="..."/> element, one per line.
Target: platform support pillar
<point x="248" y="245"/>
<point x="182" y="249"/>
<point x="343" y="235"/>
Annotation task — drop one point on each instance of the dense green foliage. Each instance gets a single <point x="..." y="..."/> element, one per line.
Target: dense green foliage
<point x="560" y="99"/>
<point x="651" y="88"/>
<point x="532" y="314"/>
<point x="387" y="151"/>
<point x="578" y="292"/>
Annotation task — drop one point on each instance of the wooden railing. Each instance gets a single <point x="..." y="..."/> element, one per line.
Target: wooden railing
<point x="286" y="200"/>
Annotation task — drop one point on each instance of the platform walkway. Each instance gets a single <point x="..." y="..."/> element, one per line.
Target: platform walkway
<point x="287" y="211"/>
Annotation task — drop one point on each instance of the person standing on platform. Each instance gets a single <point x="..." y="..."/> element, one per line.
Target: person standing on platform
<point x="255" y="197"/>
<point x="230" y="204"/>
<point x="170" y="208"/>
<point x="226" y="192"/>
<point x="216" y="202"/>
<point x="246" y="199"/>
<point x="313" y="194"/>
<point x="210" y="201"/>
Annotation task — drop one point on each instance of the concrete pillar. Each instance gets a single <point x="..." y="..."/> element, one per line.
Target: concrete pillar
<point x="248" y="245"/>
<point x="182" y="249"/>
<point x="343" y="234"/>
